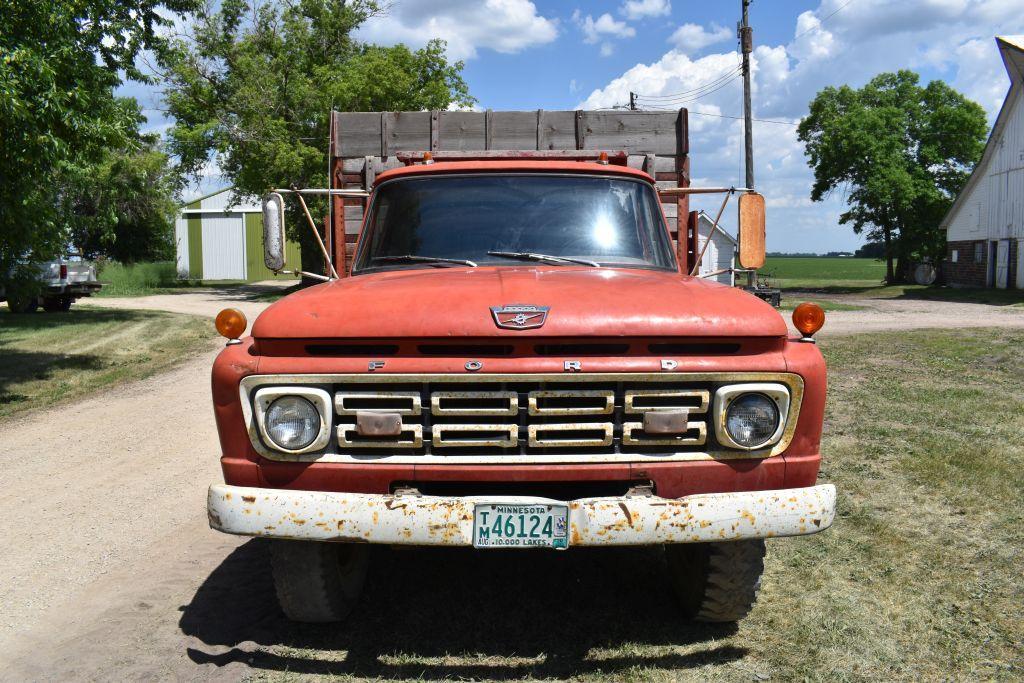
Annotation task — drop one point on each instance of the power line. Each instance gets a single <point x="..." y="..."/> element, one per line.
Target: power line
<point x="822" y="21"/>
<point x="690" y="98"/>
<point x="722" y="116"/>
<point x="709" y="84"/>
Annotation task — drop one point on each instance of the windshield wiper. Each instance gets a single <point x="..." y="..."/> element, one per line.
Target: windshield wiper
<point x="413" y="258"/>
<point x="530" y="256"/>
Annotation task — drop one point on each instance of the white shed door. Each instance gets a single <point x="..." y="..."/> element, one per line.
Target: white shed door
<point x="223" y="247"/>
<point x="1002" y="263"/>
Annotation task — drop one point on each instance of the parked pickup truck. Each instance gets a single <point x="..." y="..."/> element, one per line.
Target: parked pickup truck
<point x="61" y="281"/>
<point x="518" y="357"/>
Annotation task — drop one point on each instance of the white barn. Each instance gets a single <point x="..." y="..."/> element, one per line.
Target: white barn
<point x="985" y="225"/>
<point x="720" y="256"/>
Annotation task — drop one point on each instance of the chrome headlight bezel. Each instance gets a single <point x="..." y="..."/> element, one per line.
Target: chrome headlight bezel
<point x="725" y="396"/>
<point x="321" y="401"/>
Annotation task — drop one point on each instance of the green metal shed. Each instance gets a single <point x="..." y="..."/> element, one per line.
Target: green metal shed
<point x="218" y="241"/>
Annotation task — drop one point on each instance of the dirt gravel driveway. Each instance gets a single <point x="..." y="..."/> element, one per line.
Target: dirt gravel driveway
<point x="109" y="570"/>
<point x="880" y="315"/>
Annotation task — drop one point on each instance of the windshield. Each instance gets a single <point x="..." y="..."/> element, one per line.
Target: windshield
<point x="447" y="221"/>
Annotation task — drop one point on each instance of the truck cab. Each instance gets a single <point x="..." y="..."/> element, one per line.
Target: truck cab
<point x="517" y="358"/>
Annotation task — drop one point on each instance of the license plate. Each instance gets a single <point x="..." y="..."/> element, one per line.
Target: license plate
<point x="520" y="525"/>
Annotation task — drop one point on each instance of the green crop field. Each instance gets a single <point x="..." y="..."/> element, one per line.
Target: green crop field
<point x="819" y="272"/>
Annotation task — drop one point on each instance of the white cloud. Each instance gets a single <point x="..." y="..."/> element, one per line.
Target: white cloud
<point x="573" y="87"/>
<point x="506" y="26"/>
<point x="642" y="9"/>
<point x="690" y="38"/>
<point x="605" y="26"/>
<point x="838" y="43"/>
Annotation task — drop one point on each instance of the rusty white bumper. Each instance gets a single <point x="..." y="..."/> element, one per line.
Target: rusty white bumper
<point x="432" y="520"/>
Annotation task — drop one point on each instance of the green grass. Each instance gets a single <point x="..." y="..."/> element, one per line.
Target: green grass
<point x="919" y="579"/>
<point x="145" y="279"/>
<point x="53" y="357"/>
<point x="791" y="301"/>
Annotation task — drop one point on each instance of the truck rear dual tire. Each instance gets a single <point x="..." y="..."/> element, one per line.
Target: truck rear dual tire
<point x="716" y="582"/>
<point x="318" y="582"/>
<point x="57" y="304"/>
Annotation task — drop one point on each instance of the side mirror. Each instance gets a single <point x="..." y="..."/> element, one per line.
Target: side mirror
<point x="273" y="231"/>
<point x="751" y="237"/>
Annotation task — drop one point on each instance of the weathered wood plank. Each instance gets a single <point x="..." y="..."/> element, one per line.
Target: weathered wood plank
<point x="356" y="133"/>
<point x="461" y="130"/>
<point x="636" y="132"/>
<point x="406" y="130"/>
<point x="353" y="164"/>
<point x="514" y="130"/>
<point x="557" y="130"/>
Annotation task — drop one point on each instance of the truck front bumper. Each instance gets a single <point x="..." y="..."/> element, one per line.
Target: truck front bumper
<point x="433" y="520"/>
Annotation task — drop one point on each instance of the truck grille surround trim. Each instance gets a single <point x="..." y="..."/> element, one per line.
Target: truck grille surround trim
<point x="522" y="418"/>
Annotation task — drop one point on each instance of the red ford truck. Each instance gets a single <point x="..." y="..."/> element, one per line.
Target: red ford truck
<point x="516" y="354"/>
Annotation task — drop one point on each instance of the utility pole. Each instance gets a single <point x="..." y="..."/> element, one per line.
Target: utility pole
<point x="632" y="101"/>
<point x="746" y="36"/>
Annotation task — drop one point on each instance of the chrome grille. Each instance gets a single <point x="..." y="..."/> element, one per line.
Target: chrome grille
<point x="522" y="418"/>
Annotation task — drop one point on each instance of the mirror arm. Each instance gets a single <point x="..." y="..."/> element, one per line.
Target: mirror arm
<point x="316" y="233"/>
<point x="305" y="274"/>
<point x="714" y="225"/>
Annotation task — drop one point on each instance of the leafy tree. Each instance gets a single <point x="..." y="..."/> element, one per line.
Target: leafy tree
<point x="59" y="63"/>
<point x="900" y="152"/>
<point x="123" y="206"/>
<point x="251" y="86"/>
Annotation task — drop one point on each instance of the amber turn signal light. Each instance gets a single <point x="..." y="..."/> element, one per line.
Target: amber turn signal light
<point x="231" y="323"/>
<point x="808" y="318"/>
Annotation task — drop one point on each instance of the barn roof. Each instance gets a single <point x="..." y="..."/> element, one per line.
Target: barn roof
<point x="1011" y="49"/>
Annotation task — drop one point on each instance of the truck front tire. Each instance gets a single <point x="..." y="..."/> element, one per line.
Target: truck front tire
<point x="27" y="304"/>
<point x="716" y="582"/>
<point x="318" y="582"/>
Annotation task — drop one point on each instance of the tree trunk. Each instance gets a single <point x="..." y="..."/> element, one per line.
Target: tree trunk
<point x="889" y="273"/>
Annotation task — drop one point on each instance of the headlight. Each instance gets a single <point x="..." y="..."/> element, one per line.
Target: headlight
<point x="292" y="422"/>
<point x="751" y="419"/>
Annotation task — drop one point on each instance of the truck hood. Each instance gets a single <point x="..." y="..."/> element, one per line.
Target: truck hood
<point x="456" y="302"/>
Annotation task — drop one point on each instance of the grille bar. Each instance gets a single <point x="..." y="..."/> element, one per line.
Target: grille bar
<point x="401" y="402"/>
<point x="474" y="403"/>
<point x="410" y="437"/>
<point x="633" y="435"/>
<point x="461" y="435"/>
<point x="642" y="400"/>
<point x="571" y="402"/>
<point x="596" y="434"/>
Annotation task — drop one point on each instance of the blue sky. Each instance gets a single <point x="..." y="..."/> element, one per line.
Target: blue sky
<point x="564" y="55"/>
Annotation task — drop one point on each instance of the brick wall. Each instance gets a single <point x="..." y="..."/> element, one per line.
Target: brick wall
<point x="966" y="272"/>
